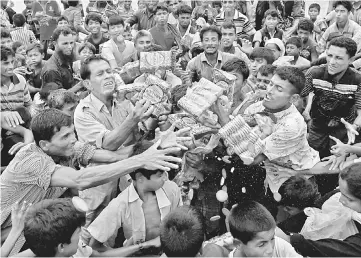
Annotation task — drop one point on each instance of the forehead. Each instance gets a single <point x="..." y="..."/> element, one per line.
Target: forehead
<point x="161" y="11"/>
<point x="98" y="65"/>
<point x="338" y="51"/>
<point x="34" y="51"/>
<point x="66" y="38"/>
<point x="340" y="7"/>
<point x="264" y="235"/>
<point x="283" y="83"/>
<point x="210" y="34"/>
<point x="227" y="30"/>
<point x="63" y="131"/>
<point x="144" y="38"/>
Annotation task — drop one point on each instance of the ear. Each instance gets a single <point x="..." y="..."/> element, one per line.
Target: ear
<point x="44" y="145"/>
<point x="295" y="98"/>
<point x="87" y="84"/>
<point x="60" y="249"/>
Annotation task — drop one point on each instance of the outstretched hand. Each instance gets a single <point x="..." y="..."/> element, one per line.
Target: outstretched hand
<point x="351" y="131"/>
<point x="339" y="148"/>
<point x="170" y="138"/>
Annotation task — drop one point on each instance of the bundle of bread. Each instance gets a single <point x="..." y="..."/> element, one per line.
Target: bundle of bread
<point x="153" y="61"/>
<point x="245" y="141"/>
<point x="226" y="81"/>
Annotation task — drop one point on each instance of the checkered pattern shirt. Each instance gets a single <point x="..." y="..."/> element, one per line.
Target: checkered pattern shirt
<point x="243" y="25"/>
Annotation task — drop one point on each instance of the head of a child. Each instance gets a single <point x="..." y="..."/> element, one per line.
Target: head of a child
<point x="86" y="50"/>
<point x="342" y="9"/>
<point x="5" y="37"/>
<point x="7" y="61"/>
<point x="172" y="5"/>
<point x="271" y="19"/>
<point x="239" y="68"/>
<point x="28" y="4"/>
<point x="182" y="232"/>
<point x="217" y="5"/>
<point x="161" y="14"/>
<point x="314" y="11"/>
<point x="253" y="229"/>
<point x="350" y="187"/>
<point x="264" y="76"/>
<point x="277" y="47"/>
<point x="35" y="54"/>
<point x="305" y="29"/>
<point x="19" y="48"/>
<point x="62" y="21"/>
<point x="19" y="20"/>
<point x="260" y="56"/>
<point x="293" y="46"/>
<point x="127" y="35"/>
<point x="340" y="53"/>
<point x="115" y="26"/>
<point x="52" y="228"/>
<point x="46" y="89"/>
<point x="284" y="89"/>
<point x="93" y="22"/>
<point x="63" y="100"/>
<point x="143" y="39"/>
<point x="184" y="13"/>
<point x="229" y="35"/>
<point x="127" y="4"/>
<point x="228" y="5"/>
<point x="298" y="193"/>
<point x="211" y="38"/>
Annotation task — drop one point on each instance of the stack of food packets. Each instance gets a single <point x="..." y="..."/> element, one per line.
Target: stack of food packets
<point x="150" y="62"/>
<point x="226" y="81"/>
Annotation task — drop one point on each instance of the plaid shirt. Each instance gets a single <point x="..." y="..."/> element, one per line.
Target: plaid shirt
<point x="243" y="26"/>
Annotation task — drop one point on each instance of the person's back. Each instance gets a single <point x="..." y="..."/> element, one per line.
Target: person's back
<point x="21" y="33"/>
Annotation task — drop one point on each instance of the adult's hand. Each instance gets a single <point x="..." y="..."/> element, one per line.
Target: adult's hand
<point x="21" y="70"/>
<point x="143" y="109"/>
<point x="334" y="161"/>
<point x="12" y="118"/>
<point x="339" y="148"/>
<point x="222" y="108"/>
<point x="195" y="160"/>
<point x="152" y="243"/>
<point x="173" y="139"/>
<point x="16" y="147"/>
<point x="351" y="131"/>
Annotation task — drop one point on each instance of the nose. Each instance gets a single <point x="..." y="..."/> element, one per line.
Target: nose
<point x="269" y="250"/>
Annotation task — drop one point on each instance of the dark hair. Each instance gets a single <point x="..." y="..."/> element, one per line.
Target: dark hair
<point x="47" y="123"/>
<point x="249" y="218"/>
<point x="84" y="69"/>
<point x="6" y="52"/>
<point x="196" y="51"/>
<point x="299" y="192"/>
<point x="49" y="223"/>
<point x="58" y="98"/>
<point x="101" y="4"/>
<point x="62" y="18"/>
<point x="305" y="24"/>
<point x="316" y="6"/>
<point x="294" y="75"/>
<point x="37" y="46"/>
<point x="5" y="33"/>
<point x="88" y="45"/>
<point x="229" y="25"/>
<point x="63" y="31"/>
<point x="183" y="8"/>
<point x="161" y="7"/>
<point x="211" y="28"/>
<point x="236" y="65"/>
<point x="263" y="52"/>
<point x="267" y="69"/>
<point x="19" y="20"/>
<point x="214" y="3"/>
<point x="346" y="4"/>
<point x="343" y="42"/>
<point x="271" y="12"/>
<point x="294" y="41"/>
<point x="177" y="93"/>
<point x="93" y="17"/>
<point x="352" y="176"/>
<point x="115" y="20"/>
<point x="16" y="45"/>
<point x="46" y="89"/>
<point x="182" y="232"/>
<point x="73" y="3"/>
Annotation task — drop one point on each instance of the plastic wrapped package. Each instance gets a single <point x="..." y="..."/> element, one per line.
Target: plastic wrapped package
<point x="226" y="81"/>
<point x="153" y="61"/>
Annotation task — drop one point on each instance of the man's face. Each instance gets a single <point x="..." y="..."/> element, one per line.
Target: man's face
<point x="102" y="81"/>
<point x="271" y="22"/>
<point x="313" y="13"/>
<point x="228" y="37"/>
<point x="161" y="17"/>
<point x="184" y="20"/>
<point x="210" y="42"/>
<point x="34" y="57"/>
<point x="21" y="50"/>
<point x="228" y="5"/>
<point x="156" y="181"/>
<point x="62" y="23"/>
<point x="28" y="4"/>
<point x="6" y="42"/>
<point x="262" y="245"/>
<point x="62" y="143"/>
<point x="142" y="43"/>
<point x="94" y="26"/>
<point x="151" y="5"/>
<point x="304" y="35"/>
<point x="85" y="53"/>
<point x="263" y="81"/>
<point x="7" y="67"/>
<point x="173" y="5"/>
<point x="292" y="50"/>
<point x="256" y="64"/>
<point x="279" y="93"/>
<point x="116" y="30"/>
<point x="341" y="14"/>
<point x="127" y="4"/>
<point x="347" y="199"/>
<point x="65" y="44"/>
<point x="337" y="59"/>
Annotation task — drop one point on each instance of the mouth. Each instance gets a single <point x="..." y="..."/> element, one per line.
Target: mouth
<point x="267" y="98"/>
<point x="109" y="84"/>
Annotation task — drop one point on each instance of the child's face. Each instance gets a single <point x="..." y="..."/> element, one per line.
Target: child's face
<point x="313" y="13"/>
<point x="263" y="81"/>
<point x="228" y="37"/>
<point x="116" y="30"/>
<point x="94" y="26"/>
<point x="6" y="42"/>
<point x="62" y="23"/>
<point x="276" y="51"/>
<point x="304" y="35"/>
<point x="292" y="50"/>
<point x="34" y="57"/>
<point x="85" y="53"/>
<point x="184" y="20"/>
<point x="347" y="199"/>
<point x="271" y="22"/>
<point x="262" y="245"/>
<point x="256" y="64"/>
<point x="238" y="83"/>
<point x="127" y="35"/>
<point x="161" y="17"/>
<point x="21" y="50"/>
<point x="28" y="4"/>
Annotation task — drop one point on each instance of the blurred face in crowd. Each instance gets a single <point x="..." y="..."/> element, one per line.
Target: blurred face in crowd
<point x="337" y="59"/>
<point x="228" y="5"/>
<point x="292" y="50"/>
<point x="4" y="3"/>
<point x="62" y="143"/>
<point x="341" y="14"/>
<point x="173" y="5"/>
<point x="347" y="199"/>
<point x="210" y="42"/>
<point x="271" y="22"/>
<point x="256" y="64"/>
<point x="62" y="23"/>
<point x="94" y="26"/>
<point x="155" y="182"/>
<point x="34" y="57"/>
<point x="141" y="4"/>
<point x="85" y="53"/>
<point x="161" y="17"/>
<point x="262" y="245"/>
<point x="304" y="35"/>
<point x="21" y="50"/>
<point x="275" y="49"/>
<point x="313" y="13"/>
<point x="127" y="4"/>
<point x="65" y="44"/>
<point x="6" y="42"/>
<point x="142" y="43"/>
<point x="263" y="81"/>
<point x="151" y="5"/>
<point x="116" y="30"/>
<point x="228" y="37"/>
<point x="7" y="66"/>
<point x="28" y="4"/>
<point x="184" y="19"/>
<point x="127" y="35"/>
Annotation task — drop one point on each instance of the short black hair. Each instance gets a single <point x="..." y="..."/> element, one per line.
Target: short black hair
<point x="49" y="223"/>
<point x="229" y="25"/>
<point x="316" y="6"/>
<point x="16" y="45"/>
<point x="84" y="69"/>
<point x="294" y="41"/>
<point x="343" y="42"/>
<point x="87" y="45"/>
<point x="101" y="4"/>
<point x="271" y="12"/>
<point x="62" y="18"/>
<point x="161" y="6"/>
<point x="299" y="192"/>
<point x="294" y="75"/>
<point x="46" y="89"/>
<point x="263" y="52"/>
<point x="352" y="176"/>
<point x="182" y="232"/>
<point x="58" y="98"/>
<point x="47" y="123"/>
<point x="211" y="28"/>
<point x="236" y="65"/>
<point x="195" y="51"/>
<point x="184" y="9"/>
<point x="4" y="33"/>
<point x="249" y="218"/>
<point x="35" y="45"/>
<point x="115" y="20"/>
<point x="19" y="20"/>
<point x="305" y="24"/>
<point x="267" y="69"/>
<point x="62" y="31"/>
<point x="93" y="17"/>
<point x="6" y="52"/>
<point x="346" y="4"/>
<point x="73" y="3"/>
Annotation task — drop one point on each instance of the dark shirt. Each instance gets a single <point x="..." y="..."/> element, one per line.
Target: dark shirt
<point x="55" y="70"/>
<point x="90" y="40"/>
<point x="35" y="81"/>
<point x="143" y="19"/>
<point x="165" y="39"/>
<point x="11" y="13"/>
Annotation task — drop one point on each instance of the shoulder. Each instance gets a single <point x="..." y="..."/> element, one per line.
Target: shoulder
<point x="140" y="12"/>
<point x="317" y="71"/>
<point x="84" y="103"/>
<point x="22" y="80"/>
<point x="170" y="187"/>
<point x="284" y="249"/>
<point x="227" y="56"/>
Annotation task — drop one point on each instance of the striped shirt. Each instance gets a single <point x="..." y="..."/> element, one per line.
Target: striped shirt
<point x="243" y="26"/>
<point x="23" y="35"/>
<point x="16" y="95"/>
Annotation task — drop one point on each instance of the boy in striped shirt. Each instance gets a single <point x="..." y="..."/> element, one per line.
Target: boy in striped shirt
<point x="21" y="33"/>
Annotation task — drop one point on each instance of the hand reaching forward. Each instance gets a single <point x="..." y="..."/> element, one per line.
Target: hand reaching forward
<point x="170" y="138"/>
<point x="351" y="131"/>
<point x="339" y="148"/>
<point x="142" y="110"/>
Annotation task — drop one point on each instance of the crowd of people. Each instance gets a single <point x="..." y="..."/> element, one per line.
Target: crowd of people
<point x="181" y="129"/>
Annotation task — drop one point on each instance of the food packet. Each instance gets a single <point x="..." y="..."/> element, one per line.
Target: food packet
<point x="226" y="81"/>
<point x="150" y="62"/>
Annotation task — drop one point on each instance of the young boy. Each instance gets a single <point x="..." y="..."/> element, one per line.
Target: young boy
<point x="93" y="22"/>
<point x="62" y="21"/>
<point x="304" y="31"/>
<point x="21" y="33"/>
<point x="35" y="55"/>
<point x="5" y="38"/>
<point x="173" y="6"/>
<point x="320" y="24"/>
<point x="270" y="29"/>
<point x="85" y="50"/>
<point x="20" y="54"/>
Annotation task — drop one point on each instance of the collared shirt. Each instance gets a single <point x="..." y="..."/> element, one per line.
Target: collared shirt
<point x="286" y="148"/>
<point x="199" y="65"/>
<point x="243" y="26"/>
<point x="126" y="212"/>
<point x="23" y="35"/>
<point x="56" y="70"/>
<point x="263" y="35"/>
<point x="165" y="39"/>
<point x="143" y="18"/>
<point x="335" y="96"/>
<point x="16" y="95"/>
<point x="352" y="30"/>
<point x="236" y="50"/>
<point x="110" y="51"/>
